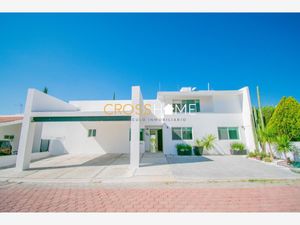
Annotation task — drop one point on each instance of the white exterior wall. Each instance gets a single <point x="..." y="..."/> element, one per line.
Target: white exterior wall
<point x="217" y="109"/>
<point x="72" y="137"/>
<point x="37" y="137"/>
<point x="202" y="124"/>
<point x="93" y="106"/>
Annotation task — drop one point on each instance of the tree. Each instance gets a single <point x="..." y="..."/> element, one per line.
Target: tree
<point x="284" y="145"/>
<point x="285" y="120"/>
<point x="267" y="112"/>
<point x="45" y="90"/>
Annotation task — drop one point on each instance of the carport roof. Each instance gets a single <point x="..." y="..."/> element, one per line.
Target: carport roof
<point x="77" y="116"/>
<point x="80" y="118"/>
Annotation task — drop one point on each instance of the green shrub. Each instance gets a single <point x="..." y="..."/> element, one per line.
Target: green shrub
<point x="184" y="149"/>
<point x="260" y="155"/>
<point x="267" y="159"/>
<point x="253" y="154"/>
<point x="284" y="145"/>
<point x="263" y="155"/>
<point x="237" y="146"/>
<point x="208" y="142"/>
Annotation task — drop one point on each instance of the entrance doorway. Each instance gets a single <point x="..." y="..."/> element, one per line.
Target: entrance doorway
<point x="155" y="140"/>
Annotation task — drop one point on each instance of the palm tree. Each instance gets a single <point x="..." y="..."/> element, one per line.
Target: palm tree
<point x="284" y="145"/>
<point x="208" y="142"/>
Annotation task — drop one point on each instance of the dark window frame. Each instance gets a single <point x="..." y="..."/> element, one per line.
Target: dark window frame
<point x="181" y="135"/>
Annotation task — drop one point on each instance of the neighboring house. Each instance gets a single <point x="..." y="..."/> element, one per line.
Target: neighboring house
<point x="10" y="129"/>
<point x="134" y="126"/>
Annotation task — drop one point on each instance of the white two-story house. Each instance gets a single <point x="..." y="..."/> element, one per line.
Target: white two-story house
<point x="136" y="125"/>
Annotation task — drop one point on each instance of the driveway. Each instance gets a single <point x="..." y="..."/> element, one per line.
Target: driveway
<point x="225" y="168"/>
<point x="153" y="168"/>
<point x="72" y="168"/>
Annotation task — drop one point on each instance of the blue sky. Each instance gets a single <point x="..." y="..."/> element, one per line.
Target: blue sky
<point x="89" y="56"/>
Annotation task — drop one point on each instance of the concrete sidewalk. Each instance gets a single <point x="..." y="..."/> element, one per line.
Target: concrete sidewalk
<point x="114" y="168"/>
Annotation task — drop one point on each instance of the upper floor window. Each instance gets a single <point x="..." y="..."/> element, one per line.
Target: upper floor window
<point x="182" y="133"/>
<point x="186" y="106"/>
<point x="228" y="133"/>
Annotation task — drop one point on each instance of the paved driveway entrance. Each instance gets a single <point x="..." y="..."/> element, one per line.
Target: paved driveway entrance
<point x="73" y="168"/>
<point x="154" y="167"/>
<point x="225" y="168"/>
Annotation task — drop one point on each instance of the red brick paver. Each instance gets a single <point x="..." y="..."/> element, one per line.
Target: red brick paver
<point x="22" y="198"/>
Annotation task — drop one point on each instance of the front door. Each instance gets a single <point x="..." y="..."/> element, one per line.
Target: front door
<point x="156" y="140"/>
<point x="160" y="140"/>
<point x="153" y="141"/>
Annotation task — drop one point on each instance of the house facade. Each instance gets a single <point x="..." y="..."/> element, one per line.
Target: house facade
<point x="136" y="125"/>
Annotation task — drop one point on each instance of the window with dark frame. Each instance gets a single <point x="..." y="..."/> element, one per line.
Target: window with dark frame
<point x="9" y="137"/>
<point x="182" y="133"/>
<point x="228" y="133"/>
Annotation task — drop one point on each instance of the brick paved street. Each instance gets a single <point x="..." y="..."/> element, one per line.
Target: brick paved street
<point x="64" y="198"/>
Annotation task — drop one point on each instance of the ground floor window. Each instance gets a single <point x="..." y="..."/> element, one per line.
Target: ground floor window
<point x="228" y="133"/>
<point x="9" y="137"/>
<point x="182" y="133"/>
<point x="92" y="133"/>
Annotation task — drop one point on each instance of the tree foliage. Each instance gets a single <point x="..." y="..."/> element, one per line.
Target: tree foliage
<point x="267" y="112"/>
<point x="45" y="90"/>
<point x="285" y="120"/>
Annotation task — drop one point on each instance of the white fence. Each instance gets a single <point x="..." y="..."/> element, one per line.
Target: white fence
<point x="292" y="155"/>
<point x="10" y="160"/>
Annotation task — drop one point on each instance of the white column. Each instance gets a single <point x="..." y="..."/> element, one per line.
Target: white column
<point x="36" y="101"/>
<point x="247" y="119"/>
<point x="135" y="130"/>
<point x="27" y="136"/>
<point x="25" y="145"/>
